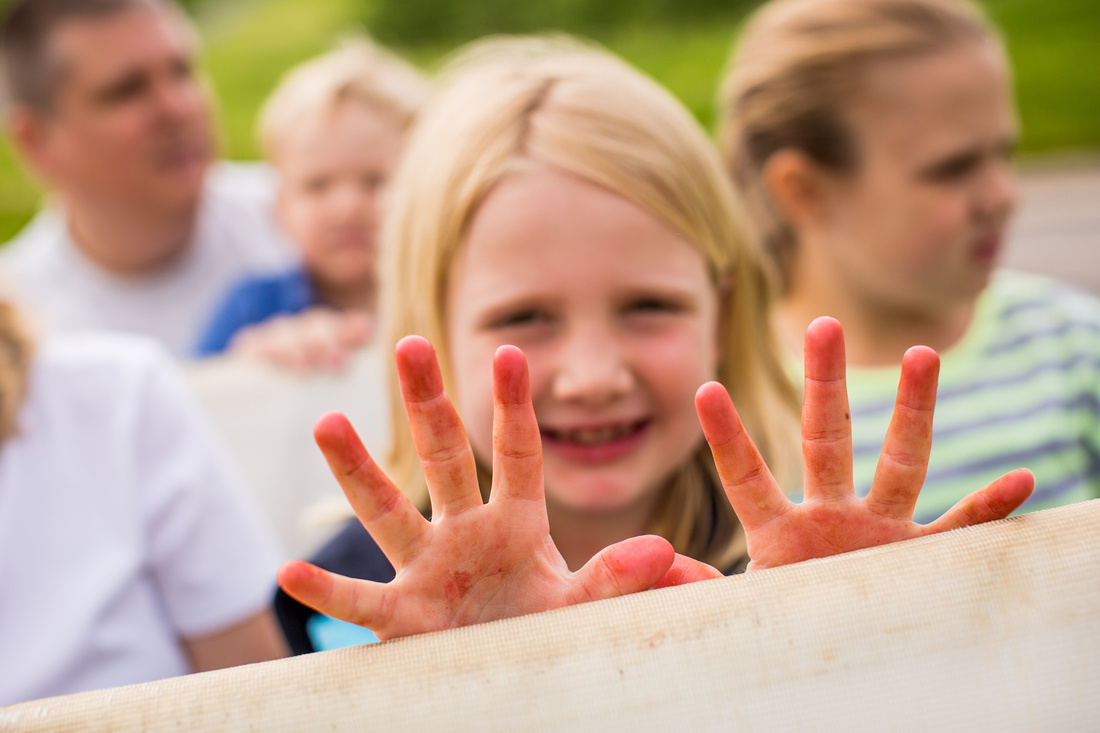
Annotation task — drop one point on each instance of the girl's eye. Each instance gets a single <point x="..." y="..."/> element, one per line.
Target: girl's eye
<point x="953" y="168"/>
<point x="655" y="306"/>
<point x="519" y="318"/>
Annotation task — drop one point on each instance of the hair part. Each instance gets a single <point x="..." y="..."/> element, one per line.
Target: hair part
<point x="511" y="103"/>
<point x="796" y="70"/>
<point x="358" y="71"/>
<point x="29" y="71"/>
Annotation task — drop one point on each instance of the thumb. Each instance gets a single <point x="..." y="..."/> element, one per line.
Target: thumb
<point x="626" y="567"/>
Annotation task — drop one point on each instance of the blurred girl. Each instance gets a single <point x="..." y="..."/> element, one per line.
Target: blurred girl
<point x="873" y="141"/>
<point x="556" y="200"/>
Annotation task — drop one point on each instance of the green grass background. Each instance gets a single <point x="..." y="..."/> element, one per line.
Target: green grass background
<point x="1055" y="46"/>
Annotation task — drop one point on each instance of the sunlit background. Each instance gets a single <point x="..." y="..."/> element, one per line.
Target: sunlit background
<point x="1055" y="46"/>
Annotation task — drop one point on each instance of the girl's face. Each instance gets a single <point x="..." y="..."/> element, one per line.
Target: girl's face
<point x="922" y="222"/>
<point x="619" y="322"/>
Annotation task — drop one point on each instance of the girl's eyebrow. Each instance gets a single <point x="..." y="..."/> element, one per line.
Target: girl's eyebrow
<point x="964" y="159"/>
<point x="683" y="294"/>
<point x="497" y="308"/>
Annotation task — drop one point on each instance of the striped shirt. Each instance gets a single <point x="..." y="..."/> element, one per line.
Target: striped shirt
<point x="1022" y="389"/>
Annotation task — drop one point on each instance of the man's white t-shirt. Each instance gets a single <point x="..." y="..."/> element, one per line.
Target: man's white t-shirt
<point x="236" y="235"/>
<point x="123" y="528"/>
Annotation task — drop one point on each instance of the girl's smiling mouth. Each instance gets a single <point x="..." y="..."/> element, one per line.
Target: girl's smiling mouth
<point x="986" y="249"/>
<point x="596" y="443"/>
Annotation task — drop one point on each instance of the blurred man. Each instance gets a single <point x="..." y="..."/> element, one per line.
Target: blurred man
<point x="143" y="233"/>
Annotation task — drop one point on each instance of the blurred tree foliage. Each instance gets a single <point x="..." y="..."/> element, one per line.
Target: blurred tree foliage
<point x="411" y="22"/>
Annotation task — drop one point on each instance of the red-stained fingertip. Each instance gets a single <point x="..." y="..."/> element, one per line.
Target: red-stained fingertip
<point x="510" y="375"/>
<point x="412" y="341"/>
<point x="715" y="409"/>
<point x="825" y="327"/>
<point x="921" y="358"/>
<point x="417" y="369"/>
<point x="823" y="349"/>
<point x="328" y="419"/>
<point x="507" y="350"/>
<point x="709" y="391"/>
<point x="293" y="575"/>
<point x="1017" y="486"/>
<point x="640" y="561"/>
<point x="330" y="425"/>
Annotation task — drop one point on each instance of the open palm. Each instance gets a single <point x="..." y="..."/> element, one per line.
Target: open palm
<point x="474" y="561"/>
<point x="831" y="519"/>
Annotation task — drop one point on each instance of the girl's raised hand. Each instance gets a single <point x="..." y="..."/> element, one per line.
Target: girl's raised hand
<point x="831" y="519"/>
<point x="474" y="561"/>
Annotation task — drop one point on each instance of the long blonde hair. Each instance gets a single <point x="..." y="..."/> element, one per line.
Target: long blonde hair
<point x="798" y="67"/>
<point x="581" y="110"/>
<point x="16" y="351"/>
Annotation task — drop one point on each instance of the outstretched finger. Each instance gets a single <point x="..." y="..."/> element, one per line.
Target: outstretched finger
<point x="996" y="501"/>
<point x="753" y="492"/>
<point x="360" y="602"/>
<point x="517" y="445"/>
<point x="387" y="514"/>
<point x="903" y="462"/>
<point x="626" y="567"/>
<point x="437" y="431"/>
<point x="826" y="420"/>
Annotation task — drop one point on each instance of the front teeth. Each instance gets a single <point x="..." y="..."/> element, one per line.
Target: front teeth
<point x="590" y="436"/>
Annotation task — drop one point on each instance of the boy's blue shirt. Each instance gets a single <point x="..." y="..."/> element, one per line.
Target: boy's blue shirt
<point x="253" y="300"/>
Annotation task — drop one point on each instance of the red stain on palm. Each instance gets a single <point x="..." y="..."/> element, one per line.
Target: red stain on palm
<point x="457" y="586"/>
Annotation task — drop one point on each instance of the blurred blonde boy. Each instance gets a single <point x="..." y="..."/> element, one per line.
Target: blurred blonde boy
<point x="334" y="129"/>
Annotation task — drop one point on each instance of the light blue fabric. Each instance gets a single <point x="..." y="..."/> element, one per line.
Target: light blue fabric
<point x="327" y="633"/>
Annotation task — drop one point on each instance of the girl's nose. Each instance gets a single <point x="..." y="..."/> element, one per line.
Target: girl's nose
<point x="998" y="190"/>
<point x="593" y="369"/>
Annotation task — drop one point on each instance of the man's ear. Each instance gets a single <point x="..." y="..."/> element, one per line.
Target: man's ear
<point x="797" y="186"/>
<point x="28" y="130"/>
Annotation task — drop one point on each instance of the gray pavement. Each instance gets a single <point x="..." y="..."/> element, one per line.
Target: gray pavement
<point x="1057" y="230"/>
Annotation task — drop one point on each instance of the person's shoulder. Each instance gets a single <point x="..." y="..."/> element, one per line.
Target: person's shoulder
<point x="267" y="286"/>
<point x="1035" y="300"/>
<point x="238" y="218"/>
<point x="244" y="182"/>
<point x="36" y="244"/>
<point x="1034" y="314"/>
<point x="106" y="356"/>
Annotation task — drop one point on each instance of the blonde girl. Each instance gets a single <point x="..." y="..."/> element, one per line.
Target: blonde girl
<point x="872" y="140"/>
<point x="555" y="200"/>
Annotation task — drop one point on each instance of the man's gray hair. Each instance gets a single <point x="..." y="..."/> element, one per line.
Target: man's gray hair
<point x="28" y="73"/>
